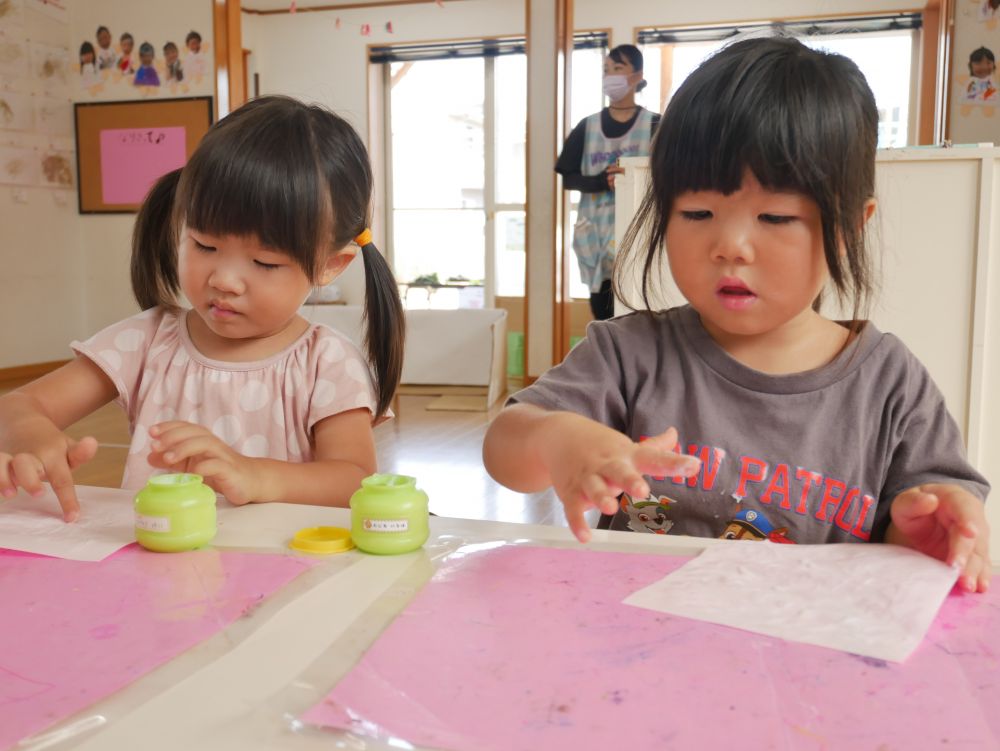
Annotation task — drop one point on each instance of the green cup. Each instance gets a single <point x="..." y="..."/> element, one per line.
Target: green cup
<point x="174" y="513"/>
<point x="389" y="515"/>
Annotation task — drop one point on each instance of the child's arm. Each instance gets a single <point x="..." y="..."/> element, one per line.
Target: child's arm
<point x="946" y="522"/>
<point x="588" y="464"/>
<point x="33" y="446"/>
<point x="344" y="455"/>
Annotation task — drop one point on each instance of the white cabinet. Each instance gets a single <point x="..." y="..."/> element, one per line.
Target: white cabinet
<point x="937" y="235"/>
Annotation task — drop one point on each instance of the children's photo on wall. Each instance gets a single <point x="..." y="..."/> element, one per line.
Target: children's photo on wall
<point x="172" y="63"/>
<point x="106" y="57"/>
<point x="126" y="65"/>
<point x="982" y="86"/>
<point x="88" y="68"/>
<point x="146" y="75"/>
<point x="194" y="58"/>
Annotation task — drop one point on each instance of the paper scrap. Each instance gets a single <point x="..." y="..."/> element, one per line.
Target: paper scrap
<point x="107" y="523"/>
<point x="35" y="525"/>
<point x="872" y="600"/>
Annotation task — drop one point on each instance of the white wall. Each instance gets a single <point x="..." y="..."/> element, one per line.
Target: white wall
<point x="41" y="299"/>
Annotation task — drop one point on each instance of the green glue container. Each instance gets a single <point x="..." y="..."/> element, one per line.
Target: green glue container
<point x="389" y="515"/>
<point x="174" y="513"/>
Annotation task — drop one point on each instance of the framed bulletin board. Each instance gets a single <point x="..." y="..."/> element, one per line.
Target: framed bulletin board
<point x="123" y="147"/>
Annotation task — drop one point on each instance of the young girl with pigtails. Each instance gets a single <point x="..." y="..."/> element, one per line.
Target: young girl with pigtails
<point x="234" y="385"/>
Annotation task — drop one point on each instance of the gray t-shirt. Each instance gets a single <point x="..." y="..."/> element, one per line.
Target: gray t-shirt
<point x="808" y="457"/>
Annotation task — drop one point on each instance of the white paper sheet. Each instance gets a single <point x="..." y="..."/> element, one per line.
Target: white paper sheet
<point x="107" y="523"/>
<point x="35" y="525"/>
<point x="872" y="600"/>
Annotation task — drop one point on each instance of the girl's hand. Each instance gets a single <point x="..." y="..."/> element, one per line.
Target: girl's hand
<point x="185" y="447"/>
<point x="948" y="523"/>
<point x="40" y="452"/>
<point x="591" y="465"/>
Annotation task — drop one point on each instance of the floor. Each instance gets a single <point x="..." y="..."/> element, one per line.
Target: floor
<point x="442" y="449"/>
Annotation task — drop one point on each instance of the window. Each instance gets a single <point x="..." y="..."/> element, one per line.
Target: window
<point x="456" y="115"/>
<point x="882" y="47"/>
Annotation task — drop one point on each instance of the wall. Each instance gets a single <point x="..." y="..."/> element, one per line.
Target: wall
<point x="39" y="253"/>
<point x="104" y="239"/>
<point x="974" y="115"/>
<point x="65" y="273"/>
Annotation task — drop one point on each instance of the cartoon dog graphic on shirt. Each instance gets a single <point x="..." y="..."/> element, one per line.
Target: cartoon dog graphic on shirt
<point x="753" y="525"/>
<point x="649" y="514"/>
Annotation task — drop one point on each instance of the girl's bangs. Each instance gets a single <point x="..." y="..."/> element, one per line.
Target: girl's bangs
<point x="257" y="185"/>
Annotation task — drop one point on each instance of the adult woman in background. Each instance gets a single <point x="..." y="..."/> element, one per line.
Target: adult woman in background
<point x="589" y="163"/>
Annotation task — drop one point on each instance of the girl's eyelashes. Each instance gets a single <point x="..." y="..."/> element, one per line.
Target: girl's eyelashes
<point x="696" y="215"/>
<point x="776" y="218"/>
<point x="268" y="266"/>
<point x="201" y="247"/>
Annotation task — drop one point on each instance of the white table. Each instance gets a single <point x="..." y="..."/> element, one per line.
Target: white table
<point x="243" y="687"/>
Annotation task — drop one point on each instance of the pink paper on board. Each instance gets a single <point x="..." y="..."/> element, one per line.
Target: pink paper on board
<point x="532" y="648"/>
<point x="132" y="159"/>
<point x="84" y="630"/>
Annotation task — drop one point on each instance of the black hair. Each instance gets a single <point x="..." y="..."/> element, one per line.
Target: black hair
<point x="629" y="53"/>
<point x="980" y="54"/>
<point x="87" y="48"/>
<point x="296" y="177"/>
<point x="169" y="46"/>
<point x="799" y="119"/>
<point x="125" y="36"/>
<point x="146" y="49"/>
<point x="100" y="29"/>
<point x="192" y="35"/>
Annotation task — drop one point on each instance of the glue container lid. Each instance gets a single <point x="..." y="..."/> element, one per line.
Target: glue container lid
<point x="322" y="540"/>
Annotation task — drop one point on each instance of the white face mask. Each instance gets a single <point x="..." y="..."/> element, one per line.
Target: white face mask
<point x="616" y="87"/>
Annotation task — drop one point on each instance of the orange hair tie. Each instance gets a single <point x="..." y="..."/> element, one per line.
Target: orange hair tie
<point x="365" y="238"/>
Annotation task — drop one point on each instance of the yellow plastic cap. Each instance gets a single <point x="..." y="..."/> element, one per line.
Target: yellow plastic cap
<point x="322" y="540"/>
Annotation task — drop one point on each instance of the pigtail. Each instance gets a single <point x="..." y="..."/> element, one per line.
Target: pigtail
<point x="154" y="249"/>
<point x="385" y="325"/>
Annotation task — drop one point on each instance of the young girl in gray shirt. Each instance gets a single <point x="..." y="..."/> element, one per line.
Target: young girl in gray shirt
<point x="747" y="413"/>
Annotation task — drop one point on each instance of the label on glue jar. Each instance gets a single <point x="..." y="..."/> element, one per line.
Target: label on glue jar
<point x="152" y="523"/>
<point x="387" y="525"/>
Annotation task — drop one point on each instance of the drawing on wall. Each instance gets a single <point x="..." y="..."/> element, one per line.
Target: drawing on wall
<point x="19" y="166"/>
<point x="16" y="112"/>
<point x="10" y="13"/>
<point x="50" y="64"/>
<point x="57" y="169"/>
<point x="55" y="9"/>
<point x="53" y="117"/>
<point x="13" y="57"/>
<point x="989" y="12"/>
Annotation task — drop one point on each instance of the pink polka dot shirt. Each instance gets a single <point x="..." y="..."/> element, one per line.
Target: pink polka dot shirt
<point x="265" y="408"/>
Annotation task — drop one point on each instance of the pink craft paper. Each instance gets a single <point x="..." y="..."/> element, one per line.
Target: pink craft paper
<point x="75" y="632"/>
<point x="532" y="648"/>
<point x="132" y="159"/>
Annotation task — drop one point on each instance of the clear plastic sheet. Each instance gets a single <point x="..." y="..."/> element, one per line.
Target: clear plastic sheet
<point x="679" y="683"/>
